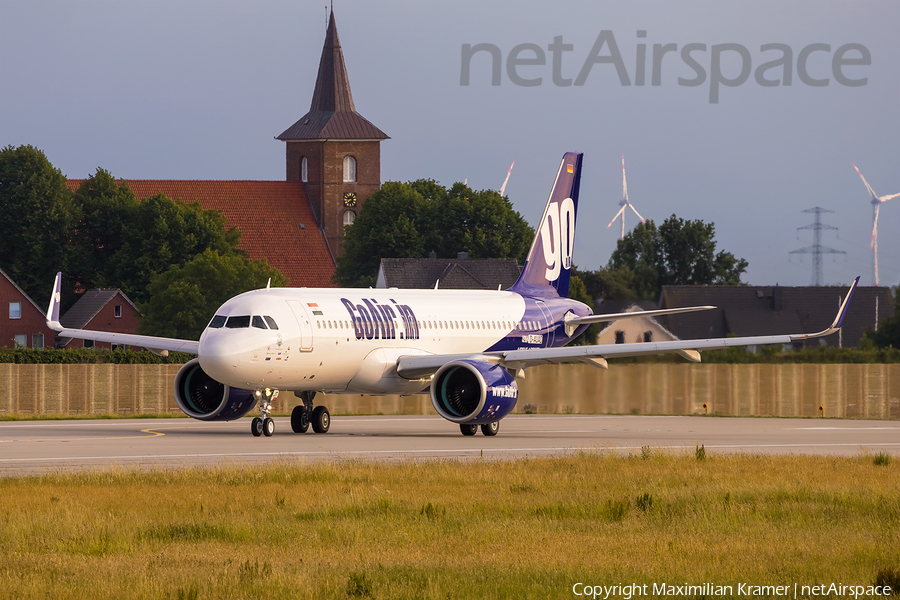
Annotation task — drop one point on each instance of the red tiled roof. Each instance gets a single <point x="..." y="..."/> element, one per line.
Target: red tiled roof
<point x="268" y="214"/>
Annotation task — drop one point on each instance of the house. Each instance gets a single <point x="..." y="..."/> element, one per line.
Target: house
<point x="631" y="330"/>
<point x="775" y="310"/>
<point x="25" y="323"/>
<point x="100" y="310"/>
<point x="461" y="273"/>
<point x="333" y="163"/>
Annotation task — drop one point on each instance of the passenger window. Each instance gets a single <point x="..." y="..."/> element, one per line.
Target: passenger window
<point x="258" y="322"/>
<point x="217" y="322"/>
<point x="238" y="322"/>
<point x="271" y="322"/>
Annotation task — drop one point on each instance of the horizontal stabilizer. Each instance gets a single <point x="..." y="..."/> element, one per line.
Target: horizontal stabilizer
<point x="573" y="320"/>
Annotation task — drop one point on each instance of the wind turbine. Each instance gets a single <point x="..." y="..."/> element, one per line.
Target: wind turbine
<point x="624" y="203"/>
<point x="876" y="204"/>
<point x="505" y="181"/>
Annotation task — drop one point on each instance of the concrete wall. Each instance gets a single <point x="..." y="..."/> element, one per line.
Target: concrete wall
<point x="870" y="391"/>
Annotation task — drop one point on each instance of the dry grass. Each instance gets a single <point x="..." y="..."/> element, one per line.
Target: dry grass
<point x="524" y="528"/>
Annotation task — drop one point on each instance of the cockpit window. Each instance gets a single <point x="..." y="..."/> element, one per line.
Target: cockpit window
<point x="258" y="322"/>
<point x="238" y="322"/>
<point x="271" y="322"/>
<point x="217" y="322"/>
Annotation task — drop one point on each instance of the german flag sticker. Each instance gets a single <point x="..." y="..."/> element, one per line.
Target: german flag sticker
<point x="570" y="169"/>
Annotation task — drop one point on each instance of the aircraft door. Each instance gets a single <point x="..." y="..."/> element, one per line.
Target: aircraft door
<point x="303" y="320"/>
<point x="547" y="324"/>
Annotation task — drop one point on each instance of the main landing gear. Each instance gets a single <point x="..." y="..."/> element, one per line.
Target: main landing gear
<point x="264" y="424"/>
<point x="488" y="429"/>
<point x="305" y="415"/>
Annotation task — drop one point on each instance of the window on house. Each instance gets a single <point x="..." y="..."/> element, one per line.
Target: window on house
<point x="349" y="218"/>
<point x="88" y="343"/>
<point x="620" y="337"/>
<point x="37" y="341"/>
<point x="118" y="309"/>
<point x="648" y="336"/>
<point x="304" y="170"/>
<point x="15" y="310"/>
<point x="21" y="340"/>
<point x="349" y="169"/>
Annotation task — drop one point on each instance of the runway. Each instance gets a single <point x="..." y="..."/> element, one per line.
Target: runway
<point x="38" y="446"/>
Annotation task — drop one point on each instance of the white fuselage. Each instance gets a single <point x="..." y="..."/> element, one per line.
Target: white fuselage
<point x="348" y="340"/>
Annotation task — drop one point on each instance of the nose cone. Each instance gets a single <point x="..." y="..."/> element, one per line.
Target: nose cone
<point x="218" y="354"/>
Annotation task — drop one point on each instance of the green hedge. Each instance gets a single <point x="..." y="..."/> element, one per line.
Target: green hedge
<point x="89" y="356"/>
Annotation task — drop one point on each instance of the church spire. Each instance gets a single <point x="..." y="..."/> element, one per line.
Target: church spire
<point x="332" y="91"/>
<point x="332" y="114"/>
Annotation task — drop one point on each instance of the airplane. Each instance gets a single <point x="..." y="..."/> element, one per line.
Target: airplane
<point x="466" y="348"/>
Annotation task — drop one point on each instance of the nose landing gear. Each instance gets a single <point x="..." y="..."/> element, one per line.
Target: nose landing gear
<point x="264" y="425"/>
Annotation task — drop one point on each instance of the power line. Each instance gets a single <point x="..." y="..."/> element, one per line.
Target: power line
<point x="817" y="249"/>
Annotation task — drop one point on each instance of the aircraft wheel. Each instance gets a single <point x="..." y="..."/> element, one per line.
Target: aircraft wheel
<point x="268" y="427"/>
<point x="490" y="429"/>
<point x="321" y="419"/>
<point x="256" y="426"/>
<point x="300" y="419"/>
<point x="467" y="429"/>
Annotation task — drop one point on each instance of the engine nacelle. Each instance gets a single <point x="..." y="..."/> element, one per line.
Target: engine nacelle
<point x="473" y="391"/>
<point x="202" y="397"/>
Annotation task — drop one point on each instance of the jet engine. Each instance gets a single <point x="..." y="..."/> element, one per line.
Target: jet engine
<point x="202" y="397"/>
<point x="473" y="392"/>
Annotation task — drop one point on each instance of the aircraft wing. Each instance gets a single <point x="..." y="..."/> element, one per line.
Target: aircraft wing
<point x="414" y="367"/>
<point x="157" y="345"/>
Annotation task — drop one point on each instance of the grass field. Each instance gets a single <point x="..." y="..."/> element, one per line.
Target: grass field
<point x="527" y="528"/>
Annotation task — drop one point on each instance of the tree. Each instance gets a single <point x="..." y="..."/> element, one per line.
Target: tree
<point x="107" y="208"/>
<point x="482" y="223"/>
<point x="184" y="298"/>
<point x="407" y="220"/>
<point x="161" y="233"/>
<point x="617" y="284"/>
<point x="578" y="291"/>
<point x="388" y="226"/>
<point x="679" y="252"/>
<point x="888" y="333"/>
<point x="38" y="218"/>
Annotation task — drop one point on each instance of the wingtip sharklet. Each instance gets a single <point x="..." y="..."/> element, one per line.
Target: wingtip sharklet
<point x="838" y="319"/>
<point x="53" y="308"/>
<point x="842" y="312"/>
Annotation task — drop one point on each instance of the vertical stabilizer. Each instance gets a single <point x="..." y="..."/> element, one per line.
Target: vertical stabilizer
<point x="549" y="264"/>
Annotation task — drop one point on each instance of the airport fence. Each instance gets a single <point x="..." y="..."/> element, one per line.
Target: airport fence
<point x="792" y="390"/>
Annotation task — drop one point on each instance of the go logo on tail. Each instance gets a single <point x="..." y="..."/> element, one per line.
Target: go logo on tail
<point x="558" y="236"/>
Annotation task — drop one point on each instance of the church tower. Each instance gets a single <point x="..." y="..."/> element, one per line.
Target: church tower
<point x="333" y="149"/>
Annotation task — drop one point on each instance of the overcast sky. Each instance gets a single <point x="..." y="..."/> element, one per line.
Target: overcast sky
<point x="198" y="90"/>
